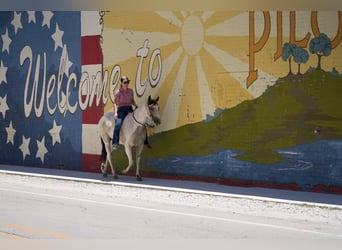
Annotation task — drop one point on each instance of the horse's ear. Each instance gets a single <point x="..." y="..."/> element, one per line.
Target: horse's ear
<point x="157" y="99"/>
<point x="149" y="99"/>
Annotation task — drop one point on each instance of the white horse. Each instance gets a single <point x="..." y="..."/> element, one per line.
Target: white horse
<point x="132" y="134"/>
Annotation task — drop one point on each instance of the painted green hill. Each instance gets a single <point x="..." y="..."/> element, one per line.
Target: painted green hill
<point x="296" y="110"/>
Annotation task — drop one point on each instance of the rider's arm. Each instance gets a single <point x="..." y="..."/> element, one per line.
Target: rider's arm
<point x="115" y="107"/>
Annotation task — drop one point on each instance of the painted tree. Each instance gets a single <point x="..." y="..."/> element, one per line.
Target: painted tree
<point x="287" y="54"/>
<point x="321" y="46"/>
<point x="300" y="55"/>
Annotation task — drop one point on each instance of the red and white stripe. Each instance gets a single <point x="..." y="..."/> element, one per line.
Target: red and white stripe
<point x="92" y="59"/>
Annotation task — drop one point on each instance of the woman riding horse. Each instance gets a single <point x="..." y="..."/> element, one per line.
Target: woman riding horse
<point x="123" y="105"/>
<point x="132" y="134"/>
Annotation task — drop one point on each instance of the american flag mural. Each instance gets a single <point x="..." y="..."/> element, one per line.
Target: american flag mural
<point x="48" y="107"/>
<point x="92" y="65"/>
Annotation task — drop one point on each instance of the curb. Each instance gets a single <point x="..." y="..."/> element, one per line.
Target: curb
<point x="174" y="189"/>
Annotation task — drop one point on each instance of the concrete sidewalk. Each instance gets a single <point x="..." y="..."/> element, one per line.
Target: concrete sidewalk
<point x="285" y="196"/>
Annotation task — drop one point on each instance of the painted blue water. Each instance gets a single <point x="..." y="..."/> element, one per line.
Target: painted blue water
<point x="307" y="165"/>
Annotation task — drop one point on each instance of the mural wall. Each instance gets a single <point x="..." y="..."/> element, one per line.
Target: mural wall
<point x="48" y="112"/>
<point x="247" y="97"/>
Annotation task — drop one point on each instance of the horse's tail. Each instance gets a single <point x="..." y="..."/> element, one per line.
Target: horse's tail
<point x="103" y="152"/>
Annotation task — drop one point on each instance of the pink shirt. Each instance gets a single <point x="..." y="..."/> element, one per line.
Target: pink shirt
<point x="124" y="97"/>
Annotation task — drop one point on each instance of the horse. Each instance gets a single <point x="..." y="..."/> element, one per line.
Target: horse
<point x="132" y="134"/>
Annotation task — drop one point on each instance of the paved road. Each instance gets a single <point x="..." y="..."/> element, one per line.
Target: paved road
<point x="286" y="196"/>
<point x="45" y="208"/>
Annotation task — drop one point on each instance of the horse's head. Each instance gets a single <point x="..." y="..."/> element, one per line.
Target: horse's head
<point x="154" y="111"/>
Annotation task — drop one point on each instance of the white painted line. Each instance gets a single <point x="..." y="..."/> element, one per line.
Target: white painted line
<point x="245" y="222"/>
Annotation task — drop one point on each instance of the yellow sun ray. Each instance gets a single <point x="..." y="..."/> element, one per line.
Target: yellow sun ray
<point x="130" y="42"/>
<point x="189" y="94"/>
<point x="205" y="95"/>
<point x="174" y="20"/>
<point x="219" y="17"/>
<point x="175" y="82"/>
<point x="225" y="89"/>
<point x="146" y="21"/>
<point x="171" y="65"/>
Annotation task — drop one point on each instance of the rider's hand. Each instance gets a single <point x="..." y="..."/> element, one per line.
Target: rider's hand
<point x="115" y="116"/>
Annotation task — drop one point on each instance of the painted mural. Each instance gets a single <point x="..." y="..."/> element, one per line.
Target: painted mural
<point x="247" y="97"/>
<point x="48" y="61"/>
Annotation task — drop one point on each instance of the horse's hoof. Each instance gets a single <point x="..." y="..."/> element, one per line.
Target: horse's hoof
<point x="103" y="168"/>
<point x="104" y="175"/>
<point x="139" y="178"/>
<point x="115" y="177"/>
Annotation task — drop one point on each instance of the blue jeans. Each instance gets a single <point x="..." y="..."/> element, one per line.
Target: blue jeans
<point x="122" y="113"/>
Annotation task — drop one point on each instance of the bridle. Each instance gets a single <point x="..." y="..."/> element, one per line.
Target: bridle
<point x="140" y="123"/>
<point x="135" y="119"/>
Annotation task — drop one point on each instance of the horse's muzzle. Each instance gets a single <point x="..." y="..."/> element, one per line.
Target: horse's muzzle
<point x="156" y="120"/>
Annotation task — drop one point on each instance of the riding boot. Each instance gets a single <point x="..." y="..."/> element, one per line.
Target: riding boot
<point x="147" y="143"/>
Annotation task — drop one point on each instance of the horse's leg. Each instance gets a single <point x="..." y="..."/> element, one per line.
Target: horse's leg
<point x="128" y="151"/>
<point x="139" y="150"/>
<point x="103" y="158"/>
<point x="104" y="168"/>
<point x="109" y="158"/>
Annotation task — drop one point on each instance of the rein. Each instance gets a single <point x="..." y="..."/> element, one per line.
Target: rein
<point x="144" y="125"/>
